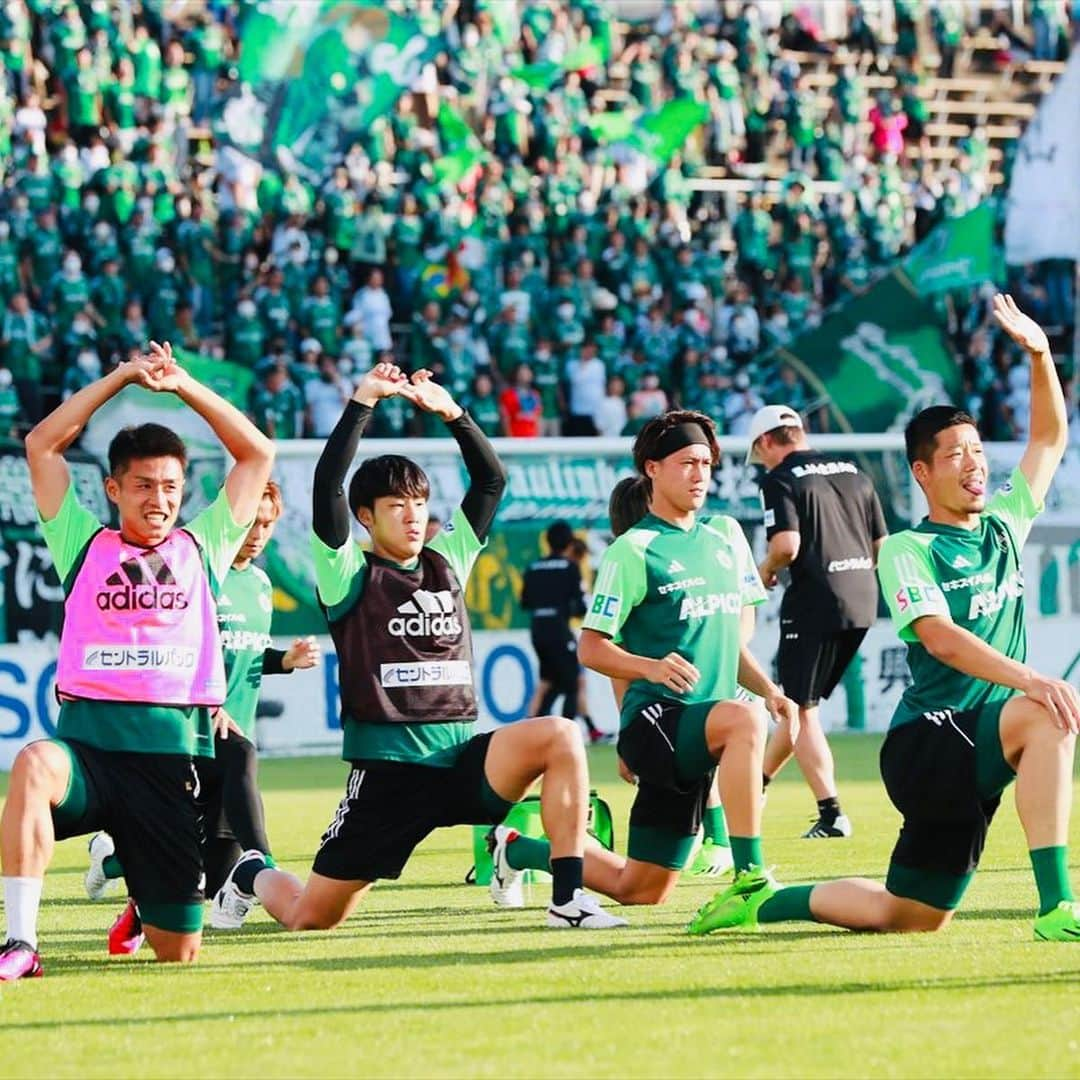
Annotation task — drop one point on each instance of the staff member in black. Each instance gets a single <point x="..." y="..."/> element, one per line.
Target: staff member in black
<point x="824" y="523"/>
<point x="553" y="594"/>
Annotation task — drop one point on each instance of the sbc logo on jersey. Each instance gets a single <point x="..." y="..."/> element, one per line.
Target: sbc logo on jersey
<point x="427" y="614"/>
<point x="606" y="607"/>
<point x="913" y="595"/>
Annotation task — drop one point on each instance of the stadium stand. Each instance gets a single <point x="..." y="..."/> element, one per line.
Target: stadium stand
<point x="491" y="224"/>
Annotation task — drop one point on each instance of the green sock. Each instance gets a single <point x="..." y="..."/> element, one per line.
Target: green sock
<point x="525" y="853"/>
<point x="746" y="852"/>
<point x="716" y="826"/>
<point x="112" y="867"/>
<point x="1051" y="866"/>
<point x="788" y="905"/>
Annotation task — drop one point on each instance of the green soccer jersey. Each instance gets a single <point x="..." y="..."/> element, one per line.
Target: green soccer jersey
<point x="972" y="577"/>
<point x="245" y="609"/>
<point x="142" y="728"/>
<point x="340" y="574"/>
<point x="661" y="589"/>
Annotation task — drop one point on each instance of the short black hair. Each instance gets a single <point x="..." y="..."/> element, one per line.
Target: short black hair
<point x="628" y="504"/>
<point x="646" y="445"/>
<point x="559" y="535"/>
<point x="387" y="474"/>
<point x="920" y="435"/>
<point x="144" y="441"/>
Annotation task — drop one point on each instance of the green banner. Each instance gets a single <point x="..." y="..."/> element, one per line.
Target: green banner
<point x="315" y="75"/>
<point x="879" y="359"/>
<point x="657" y="134"/>
<point x="462" y="150"/>
<point x="583" y="57"/>
<point x="958" y="254"/>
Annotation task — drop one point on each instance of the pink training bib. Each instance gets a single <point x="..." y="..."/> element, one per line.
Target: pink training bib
<point x="140" y="625"/>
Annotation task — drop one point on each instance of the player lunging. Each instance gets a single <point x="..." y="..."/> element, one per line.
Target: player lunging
<point x="139" y="666"/>
<point x="976" y="715"/>
<point x="673" y="597"/>
<point x="401" y="630"/>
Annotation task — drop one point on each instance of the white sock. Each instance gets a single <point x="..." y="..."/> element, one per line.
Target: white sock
<point x="22" y="898"/>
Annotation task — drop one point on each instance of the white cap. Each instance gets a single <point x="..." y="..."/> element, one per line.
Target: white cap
<point x="769" y="418"/>
<point x="311" y="345"/>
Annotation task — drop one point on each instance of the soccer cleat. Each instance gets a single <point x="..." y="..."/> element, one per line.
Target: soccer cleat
<point x="737" y="905"/>
<point x="231" y="907"/>
<point x="126" y="934"/>
<point x="582" y="912"/>
<point x="19" y="961"/>
<point x="1059" y="924"/>
<point x="712" y="860"/>
<point x="507" y="888"/>
<point x="824" y="830"/>
<point x="101" y="846"/>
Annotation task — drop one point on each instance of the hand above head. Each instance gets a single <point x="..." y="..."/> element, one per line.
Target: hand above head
<point x="1024" y="330"/>
<point x="169" y="374"/>
<point x="428" y="395"/>
<point x="382" y="381"/>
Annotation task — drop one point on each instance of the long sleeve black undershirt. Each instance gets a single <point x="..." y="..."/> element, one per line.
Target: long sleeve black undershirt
<point x="274" y="662"/>
<point x="330" y="516"/>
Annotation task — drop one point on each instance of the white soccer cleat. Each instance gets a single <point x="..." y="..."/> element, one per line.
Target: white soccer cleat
<point x="507" y="884"/>
<point x="583" y="912"/>
<point x="231" y="907"/>
<point x="101" y="846"/>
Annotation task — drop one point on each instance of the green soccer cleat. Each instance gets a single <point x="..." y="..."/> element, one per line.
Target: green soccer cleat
<point x="1059" y="924"/>
<point x="712" y="860"/>
<point x="737" y="906"/>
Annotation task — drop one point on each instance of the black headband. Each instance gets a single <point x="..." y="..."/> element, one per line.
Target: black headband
<point x="678" y="437"/>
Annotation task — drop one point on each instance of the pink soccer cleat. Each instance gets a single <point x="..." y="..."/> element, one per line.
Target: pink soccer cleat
<point x="19" y="961"/>
<point x="126" y="934"/>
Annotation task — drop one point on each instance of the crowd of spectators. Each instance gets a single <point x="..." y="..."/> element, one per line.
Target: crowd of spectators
<point x="563" y="286"/>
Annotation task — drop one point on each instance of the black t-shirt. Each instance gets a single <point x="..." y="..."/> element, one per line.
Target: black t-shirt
<point x="833" y="507"/>
<point x="552" y="593"/>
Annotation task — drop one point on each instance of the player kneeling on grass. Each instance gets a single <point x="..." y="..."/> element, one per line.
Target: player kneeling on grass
<point x="139" y="667"/>
<point x="672" y="602"/>
<point x="229" y="799"/>
<point x="976" y="716"/>
<point x="401" y="630"/>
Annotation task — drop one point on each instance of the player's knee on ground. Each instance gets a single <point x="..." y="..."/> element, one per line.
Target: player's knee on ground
<point x="908" y="917"/>
<point x="645" y="893"/>
<point x="171" y="948"/>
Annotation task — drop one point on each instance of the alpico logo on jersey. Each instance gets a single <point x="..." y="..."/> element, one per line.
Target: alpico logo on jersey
<point x="991" y="601"/>
<point x="701" y="607"/>
<point x="426" y="614"/>
<point x="143" y="583"/>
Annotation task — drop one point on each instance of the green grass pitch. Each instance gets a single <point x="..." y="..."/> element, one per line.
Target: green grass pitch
<point x="429" y="980"/>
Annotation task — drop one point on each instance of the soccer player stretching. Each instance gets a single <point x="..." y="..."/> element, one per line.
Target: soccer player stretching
<point x="976" y="716"/>
<point x="672" y="598"/>
<point x="401" y="630"/>
<point x="140" y="664"/>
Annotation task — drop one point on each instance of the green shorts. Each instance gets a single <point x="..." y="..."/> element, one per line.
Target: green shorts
<point x="945" y="772"/>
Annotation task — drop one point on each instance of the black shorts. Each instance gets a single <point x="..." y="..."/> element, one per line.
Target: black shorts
<point x="940" y="772"/>
<point x="558" y="660"/>
<point x="148" y="804"/>
<point x="390" y="806"/>
<point x="809" y="665"/>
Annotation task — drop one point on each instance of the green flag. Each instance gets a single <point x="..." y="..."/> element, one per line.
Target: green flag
<point x="879" y="359"/>
<point x="540" y="75"/>
<point x="314" y="76"/>
<point x="589" y="54"/>
<point x="611" y="127"/>
<point x="958" y="254"/>
<point x="661" y="133"/>
<point x="462" y="150"/>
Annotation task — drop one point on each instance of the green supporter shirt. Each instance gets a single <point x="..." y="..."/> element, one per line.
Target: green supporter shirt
<point x="661" y="589"/>
<point x="340" y="576"/>
<point x="245" y="610"/>
<point x="142" y="728"/>
<point x="974" y="578"/>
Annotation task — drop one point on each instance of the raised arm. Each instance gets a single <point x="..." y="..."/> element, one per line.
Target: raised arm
<point x="1049" y="429"/>
<point x="487" y="477"/>
<point x="46" y="443"/>
<point x="330" y="517"/>
<point x="251" y="450"/>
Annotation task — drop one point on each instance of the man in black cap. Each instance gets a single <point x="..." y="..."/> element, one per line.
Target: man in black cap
<point x="824" y="524"/>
